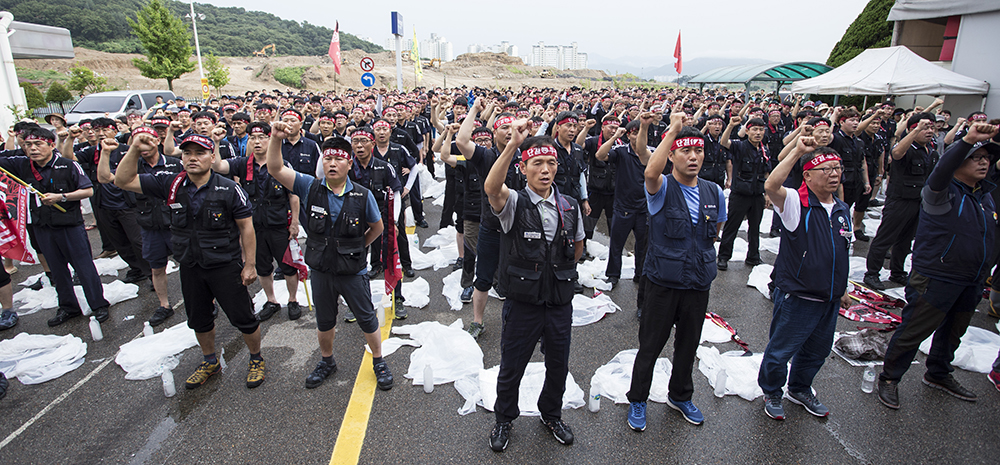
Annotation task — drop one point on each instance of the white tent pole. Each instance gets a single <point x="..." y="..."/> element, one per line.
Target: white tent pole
<point x="982" y="106"/>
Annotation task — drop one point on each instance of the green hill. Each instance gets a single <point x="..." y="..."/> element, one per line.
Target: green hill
<point x="101" y="25"/>
<point x="869" y="30"/>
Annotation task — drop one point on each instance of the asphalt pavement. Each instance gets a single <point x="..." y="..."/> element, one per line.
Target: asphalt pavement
<point x="93" y="415"/>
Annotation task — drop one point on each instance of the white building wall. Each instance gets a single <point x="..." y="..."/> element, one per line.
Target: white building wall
<point x="975" y="56"/>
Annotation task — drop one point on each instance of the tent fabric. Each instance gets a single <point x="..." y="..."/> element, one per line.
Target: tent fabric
<point x="783" y="72"/>
<point x="928" y="9"/>
<point x="891" y="70"/>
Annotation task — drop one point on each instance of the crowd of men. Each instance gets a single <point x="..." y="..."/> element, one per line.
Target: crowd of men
<point x="225" y="189"/>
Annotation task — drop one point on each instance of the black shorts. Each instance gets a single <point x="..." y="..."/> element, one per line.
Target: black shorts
<point x="30" y="231"/>
<point x="156" y="247"/>
<point x="199" y="286"/>
<point x="271" y="246"/>
<point x="4" y="277"/>
<point x="327" y="288"/>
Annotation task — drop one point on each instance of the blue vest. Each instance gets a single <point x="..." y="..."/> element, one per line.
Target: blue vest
<point x="813" y="259"/>
<point x="681" y="255"/>
<point x="954" y="247"/>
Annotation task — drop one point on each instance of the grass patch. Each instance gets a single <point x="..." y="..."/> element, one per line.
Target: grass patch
<point x="45" y="76"/>
<point x="291" y="77"/>
<point x="515" y="70"/>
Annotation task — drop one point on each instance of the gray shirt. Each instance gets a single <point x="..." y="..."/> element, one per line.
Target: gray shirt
<point x="548" y="210"/>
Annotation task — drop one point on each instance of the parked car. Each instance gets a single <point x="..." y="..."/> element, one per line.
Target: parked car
<point x="115" y="103"/>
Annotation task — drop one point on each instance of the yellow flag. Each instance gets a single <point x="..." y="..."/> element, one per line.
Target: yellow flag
<point x="415" y="56"/>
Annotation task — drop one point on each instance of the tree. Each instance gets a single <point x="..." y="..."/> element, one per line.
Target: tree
<point x="58" y="93"/>
<point x="166" y="41"/>
<point x="83" y="80"/>
<point x="869" y="30"/>
<point x="218" y="74"/>
<point x="33" y="96"/>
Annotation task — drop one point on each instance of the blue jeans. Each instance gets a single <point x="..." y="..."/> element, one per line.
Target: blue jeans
<point x="487" y="257"/>
<point x="801" y="331"/>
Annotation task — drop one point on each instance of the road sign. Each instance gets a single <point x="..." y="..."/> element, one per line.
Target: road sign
<point x="367" y="64"/>
<point x="204" y="89"/>
<point x="368" y="79"/>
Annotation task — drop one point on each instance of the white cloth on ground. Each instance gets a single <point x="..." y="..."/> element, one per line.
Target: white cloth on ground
<point x="147" y="356"/>
<point x="37" y="358"/>
<point x="976" y="352"/>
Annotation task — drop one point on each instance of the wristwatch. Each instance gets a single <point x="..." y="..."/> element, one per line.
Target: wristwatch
<point x="63" y="199"/>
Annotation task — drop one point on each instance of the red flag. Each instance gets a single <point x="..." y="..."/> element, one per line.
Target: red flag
<point x="13" y="218"/>
<point x="677" y="53"/>
<point x="335" y="48"/>
<point x="393" y="270"/>
<point x="293" y="256"/>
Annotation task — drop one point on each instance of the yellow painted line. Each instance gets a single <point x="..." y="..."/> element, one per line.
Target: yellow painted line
<point x="351" y="437"/>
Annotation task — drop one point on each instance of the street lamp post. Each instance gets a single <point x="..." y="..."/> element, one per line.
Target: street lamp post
<point x="197" y="46"/>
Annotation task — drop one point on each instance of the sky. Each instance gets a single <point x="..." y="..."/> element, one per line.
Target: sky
<point x="643" y="32"/>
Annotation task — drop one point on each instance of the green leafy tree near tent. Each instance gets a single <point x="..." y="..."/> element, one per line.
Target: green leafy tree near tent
<point x="33" y="96"/>
<point x="216" y="73"/>
<point x="58" y="93"/>
<point x="869" y="30"/>
<point x="166" y="41"/>
<point x="83" y="80"/>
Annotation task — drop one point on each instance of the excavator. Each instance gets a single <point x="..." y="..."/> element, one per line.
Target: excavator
<point x="263" y="52"/>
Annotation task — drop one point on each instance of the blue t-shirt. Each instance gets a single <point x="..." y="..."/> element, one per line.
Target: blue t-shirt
<point x="655" y="201"/>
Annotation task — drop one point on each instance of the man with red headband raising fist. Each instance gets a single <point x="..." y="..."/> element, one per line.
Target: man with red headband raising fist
<point x="810" y="275"/>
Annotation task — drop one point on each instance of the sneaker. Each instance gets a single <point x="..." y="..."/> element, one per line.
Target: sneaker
<point x="294" y="310"/>
<point x="8" y="319"/>
<point x="423" y="224"/>
<point x="875" y="203"/>
<point x="773" y="409"/>
<point x="874" y="283"/>
<point x="753" y="261"/>
<point x="500" y="295"/>
<point x="951" y="386"/>
<point x="722" y="264"/>
<point x="994" y="304"/>
<point x="500" y="436"/>
<point x="3" y="386"/>
<point x="408" y="272"/>
<point x="63" y="315"/>
<point x="560" y="430"/>
<point x="458" y="264"/>
<point x="861" y="236"/>
<point x="383" y="376"/>
<point x="467" y="294"/>
<point x="637" y="416"/>
<point x="323" y="370"/>
<point x="898" y="279"/>
<point x="613" y="281"/>
<point x="577" y="287"/>
<point x="160" y="315"/>
<point x="375" y="272"/>
<point x="101" y="314"/>
<point x="37" y="285"/>
<point x="688" y="409"/>
<point x="888" y="393"/>
<point x="255" y="373"/>
<point x="204" y="371"/>
<point x="349" y="317"/>
<point x="994" y="377"/>
<point x="809" y="401"/>
<point x="476" y="330"/>
<point x="278" y="275"/>
<point x="270" y="308"/>
<point x="400" y="310"/>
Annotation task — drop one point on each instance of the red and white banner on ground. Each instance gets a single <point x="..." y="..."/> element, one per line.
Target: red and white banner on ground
<point x="393" y="270"/>
<point x="13" y="236"/>
<point x="293" y="256"/>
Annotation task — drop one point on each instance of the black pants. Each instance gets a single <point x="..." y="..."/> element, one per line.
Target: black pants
<point x="70" y="246"/>
<point x="899" y="224"/>
<point x="599" y="203"/>
<point x="448" y="210"/>
<point x="416" y="202"/>
<point x="742" y="206"/>
<point x="126" y="236"/>
<point x="200" y="286"/>
<point x="523" y="325"/>
<point x="402" y="242"/>
<point x="106" y="244"/>
<point x="664" y="308"/>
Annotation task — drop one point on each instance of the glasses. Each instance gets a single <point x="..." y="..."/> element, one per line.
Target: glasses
<point x="979" y="158"/>
<point x="828" y="170"/>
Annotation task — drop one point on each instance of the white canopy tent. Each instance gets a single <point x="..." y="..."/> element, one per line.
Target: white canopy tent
<point x="890" y="71"/>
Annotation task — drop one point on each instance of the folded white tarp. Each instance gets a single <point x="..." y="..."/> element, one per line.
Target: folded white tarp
<point x="147" y="356"/>
<point x="37" y="358"/>
<point x="741" y="372"/>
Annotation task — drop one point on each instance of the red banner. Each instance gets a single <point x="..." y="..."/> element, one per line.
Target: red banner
<point x="393" y="270"/>
<point x="293" y="256"/>
<point x="13" y="235"/>
<point x="335" y="48"/>
<point x="677" y="53"/>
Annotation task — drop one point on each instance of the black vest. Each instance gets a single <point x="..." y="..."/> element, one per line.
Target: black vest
<point x="539" y="272"/>
<point x="336" y="247"/>
<point x="153" y="213"/>
<point x="750" y="172"/>
<point x="59" y="180"/>
<point x="376" y="182"/>
<point x="210" y="237"/>
<point x="908" y="174"/>
<point x="568" y="172"/>
<point x="852" y="156"/>
<point x="681" y="254"/>
<point x="270" y="204"/>
<point x="713" y="168"/>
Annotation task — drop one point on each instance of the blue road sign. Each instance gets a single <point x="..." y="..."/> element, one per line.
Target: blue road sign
<point x="368" y="79"/>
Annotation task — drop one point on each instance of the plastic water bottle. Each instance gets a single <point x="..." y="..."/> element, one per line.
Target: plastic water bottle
<point x="720" y="383"/>
<point x="380" y="312"/>
<point x="95" y="329"/>
<point x="222" y="358"/>
<point x="428" y="379"/>
<point x="594" y="401"/>
<point x="147" y="330"/>
<point x="168" y="383"/>
<point x="868" y="380"/>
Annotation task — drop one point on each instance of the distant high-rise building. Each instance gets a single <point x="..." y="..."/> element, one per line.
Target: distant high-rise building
<point x="436" y="47"/>
<point x="557" y="56"/>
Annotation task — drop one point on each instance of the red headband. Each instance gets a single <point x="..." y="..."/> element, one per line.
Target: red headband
<point x="567" y="120"/>
<point x="382" y="124"/>
<point x="820" y="159"/>
<point x="502" y="121"/>
<point x="145" y="130"/>
<point x="331" y="152"/>
<point x="687" y="142"/>
<point x="34" y="137"/>
<point x="363" y="134"/>
<point x="611" y="121"/>
<point x="325" y="118"/>
<point x="257" y="130"/>
<point x="295" y="114"/>
<point x="85" y="125"/>
<point x="538" y="151"/>
<point x="821" y="124"/>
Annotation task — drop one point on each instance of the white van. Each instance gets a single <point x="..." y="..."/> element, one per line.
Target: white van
<point x="115" y="103"/>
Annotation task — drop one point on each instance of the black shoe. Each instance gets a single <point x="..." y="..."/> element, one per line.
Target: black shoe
<point x="383" y="376"/>
<point x="874" y="283"/>
<point x="753" y="261"/>
<point x="294" y="311"/>
<point x="408" y="272"/>
<point x="458" y="264"/>
<point x="349" y="317"/>
<point x="898" y="279"/>
<point x="132" y="278"/>
<point x="152" y="287"/>
<point x="63" y="315"/>
<point x="875" y="203"/>
<point x="951" y="386"/>
<point x="888" y="393"/>
<point x="722" y="264"/>
<point x="577" y="287"/>
<point x="160" y="315"/>
<point x="423" y="224"/>
<point x="466" y="296"/>
<point x="102" y="314"/>
<point x="76" y="280"/>
<point x="400" y="310"/>
<point x="500" y="295"/>
<point x="375" y="272"/>
<point x="322" y="371"/>
<point x="560" y="430"/>
<point x="270" y="308"/>
<point x="861" y="236"/>
<point x="500" y="436"/>
<point x="613" y="281"/>
<point x="37" y="285"/>
<point x="775" y="232"/>
<point x="3" y="385"/>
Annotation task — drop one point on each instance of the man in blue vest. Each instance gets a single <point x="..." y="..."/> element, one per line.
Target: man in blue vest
<point x="951" y="252"/>
<point x="810" y="275"/>
<point x="542" y="240"/>
<point x="687" y="213"/>
<point x="342" y="220"/>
